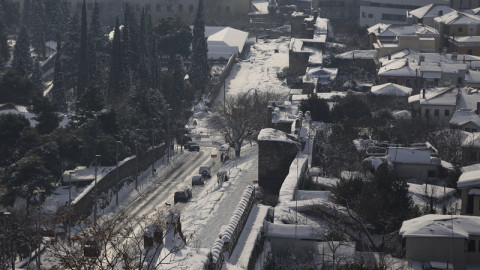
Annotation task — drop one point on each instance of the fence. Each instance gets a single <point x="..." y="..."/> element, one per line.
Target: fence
<point x="230" y="236"/>
<point x="83" y="206"/>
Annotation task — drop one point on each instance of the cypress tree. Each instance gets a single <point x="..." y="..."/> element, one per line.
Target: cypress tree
<point x="4" y="49"/>
<point x="37" y="28"/>
<point x="22" y="61"/>
<point x="82" y="77"/>
<point x="26" y="13"/>
<point x="199" y="69"/>
<point x="70" y="53"/>
<point x="130" y="46"/>
<point x="116" y="85"/>
<point x="58" y="89"/>
<point x="36" y="76"/>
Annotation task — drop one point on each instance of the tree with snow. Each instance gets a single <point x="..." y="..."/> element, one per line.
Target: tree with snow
<point x="241" y="117"/>
<point x="22" y="61"/>
<point x="199" y="70"/>
<point x="83" y="72"/>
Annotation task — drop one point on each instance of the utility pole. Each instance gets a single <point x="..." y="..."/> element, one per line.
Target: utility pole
<point x="116" y="183"/>
<point x="153" y="145"/>
<point x="136" y="159"/>
<point x="95" y="192"/>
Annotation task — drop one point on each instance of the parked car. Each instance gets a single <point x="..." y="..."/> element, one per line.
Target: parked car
<point x="182" y="195"/>
<point x="192" y="146"/>
<point x="187" y="139"/>
<point x="197" y="180"/>
<point x="204" y="170"/>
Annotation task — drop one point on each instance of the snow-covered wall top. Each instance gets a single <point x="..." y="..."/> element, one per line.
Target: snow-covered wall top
<point x="294" y="232"/>
<point x="289" y="186"/>
<point x="270" y="134"/>
<point x="469" y="179"/>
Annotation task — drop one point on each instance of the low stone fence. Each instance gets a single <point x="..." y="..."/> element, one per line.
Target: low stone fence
<point x="82" y="205"/>
<point x="229" y="237"/>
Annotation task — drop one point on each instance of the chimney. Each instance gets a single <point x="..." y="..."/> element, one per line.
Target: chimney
<point x="440" y="13"/>
<point x="406" y="63"/>
<point x="478" y="108"/>
<point x="422" y="59"/>
<point x="423" y="93"/>
<point x="379" y="30"/>
<point x="389" y="57"/>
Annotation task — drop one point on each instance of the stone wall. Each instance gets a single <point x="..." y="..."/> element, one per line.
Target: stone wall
<point x="84" y="205"/>
<point x="274" y="159"/>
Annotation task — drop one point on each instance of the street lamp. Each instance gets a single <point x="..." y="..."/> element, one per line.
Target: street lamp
<point x="116" y="183"/>
<point x="153" y="145"/>
<point x="70" y="204"/>
<point x="95" y="192"/>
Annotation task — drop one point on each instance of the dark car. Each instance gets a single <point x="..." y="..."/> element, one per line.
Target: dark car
<point x="183" y="195"/>
<point x="192" y="146"/>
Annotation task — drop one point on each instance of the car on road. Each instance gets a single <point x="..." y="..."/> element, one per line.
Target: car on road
<point x="197" y="180"/>
<point x="192" y="146"/>
<point x="182" y="195"/>
<point x="204" y="170"/>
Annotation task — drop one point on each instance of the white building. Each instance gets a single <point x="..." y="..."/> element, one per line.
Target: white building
<point x="390" y="11"/>
<point x="224" y="41"/>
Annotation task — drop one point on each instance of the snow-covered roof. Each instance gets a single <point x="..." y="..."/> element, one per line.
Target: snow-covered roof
<point x="473" y="11"/>
<point x="473" y="167"/>
<point x="391" y="89"/>
<point x="18" y="109"/>
<point x="445" y="96"/>
<point x="357" y="54"/>
<point x="472" y="77"/>
<point x="399" y="68"/>
<point x="403" y="114"/>
<point x="472" y="140"/>
<point x="270" y="134"/>
<point x="467" y="39"/>
<point x="261" y="6"/>
<point x="321" y="73"/>
<point x="393" y="31"/>
<point x="455" y="226"/>
<point x="225" y="42"/>
<point x="292" y="231"/>
<point x="409" y="155"/>
<point x="437" y="192"/>
<point x="469" y="179"/>
<point x="462" y="117"/>
<point x="431" y="11"/>
<point x="458" y="18"/>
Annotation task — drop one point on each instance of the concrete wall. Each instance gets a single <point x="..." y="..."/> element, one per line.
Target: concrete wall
<point x="416" y="171"/>
<point x="84" y="206"/>
<point x="441" y="119"/>
<point x="274" y="159"/>
<point x="298" y="62"/>
<point x="427" y="249"/>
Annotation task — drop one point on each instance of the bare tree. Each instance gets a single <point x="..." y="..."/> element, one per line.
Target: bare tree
<point x="120" y="243"/>
<point x="242" y="117"/>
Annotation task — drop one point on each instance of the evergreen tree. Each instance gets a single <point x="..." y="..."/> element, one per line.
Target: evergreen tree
<point x="11" y="15"/>
<point x="82" y="77"/>
<point x="178" y="83"/>
<point x="26" y="13"/>
<point x="199" y="69"/>
<point x="37" y="28"/>
<point x="22" y="61"/>
<point x="96" y="45"/>
<point x="4" y="49"/>
<point x="116" y="81"/>
<point x="56" y="19"/>
<point x="70" y="53"/>
<point x="130" y="46"/>
<point x="36" y="76"/>
<point x="58" y="90"/>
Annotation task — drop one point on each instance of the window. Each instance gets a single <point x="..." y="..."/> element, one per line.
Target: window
<point x="170" y="8"/>
<point x="180" y="8"/>
<point x="469" y="52"/>
<point x="364" y="15"/>
<point x="370" y="15"/>
<point x="427" y="112"/>
<point x="190" y="8"/>
<point x="407" y="82"/>
<point x="394" y="17"/>
<point x="471" y="245"/>
<point x="460" y="29"/>
<point x="392" y="80"/>
<point x="436" y="112"/>
<point x="431" y="174"/>
<point x="158" y="8"/>
<point x="467" y="130"/>
<point x="447" y="112"/>
<point x="459" y="80"/>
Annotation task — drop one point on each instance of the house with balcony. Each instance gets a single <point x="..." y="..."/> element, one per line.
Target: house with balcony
<point x="459" y="32"/>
